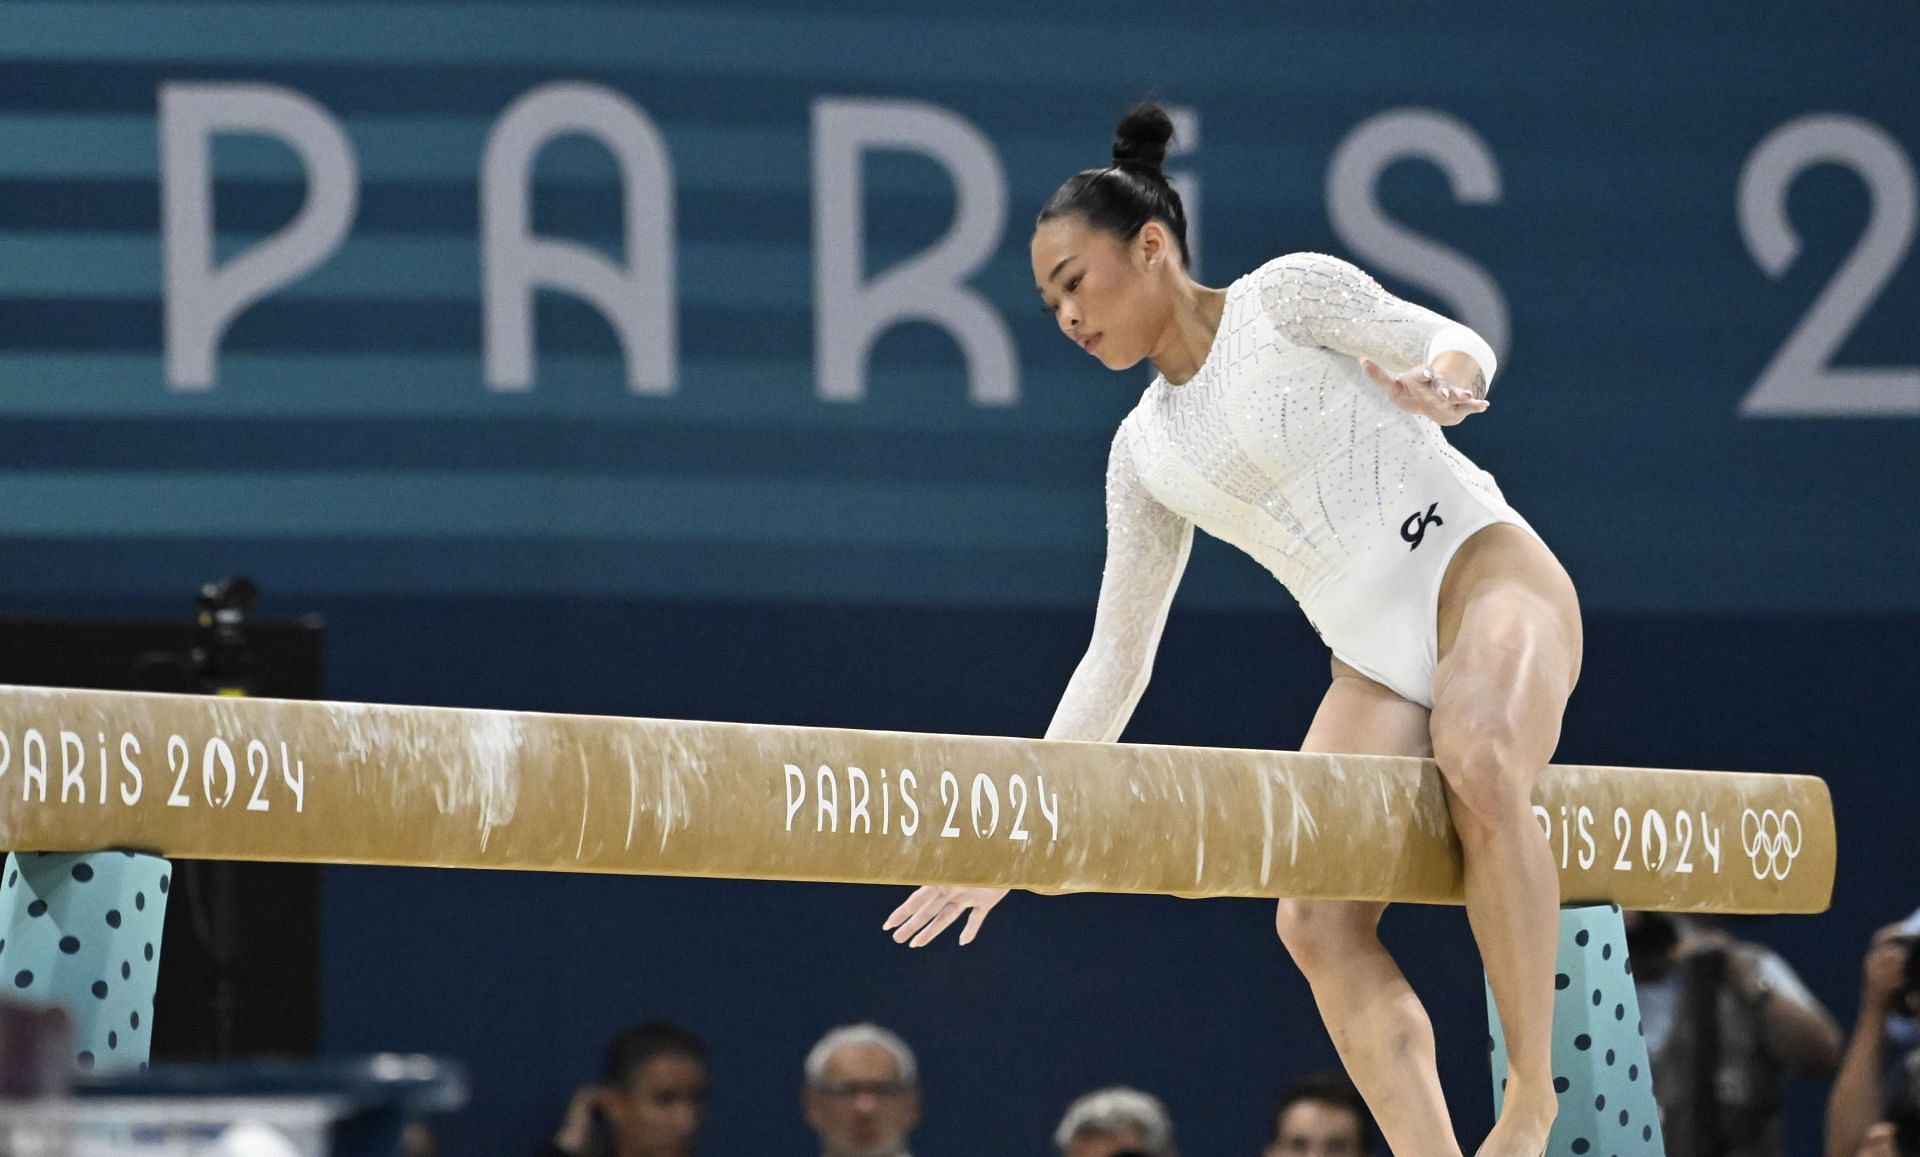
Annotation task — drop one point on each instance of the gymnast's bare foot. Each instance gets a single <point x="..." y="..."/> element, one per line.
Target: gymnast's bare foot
<point x="1525" y="1120"/>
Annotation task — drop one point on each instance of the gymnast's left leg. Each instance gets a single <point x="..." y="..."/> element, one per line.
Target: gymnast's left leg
<point x="1510" y="645"/>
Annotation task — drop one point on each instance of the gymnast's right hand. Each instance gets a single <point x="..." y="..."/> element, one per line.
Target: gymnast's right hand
<point x="929" y="911"/>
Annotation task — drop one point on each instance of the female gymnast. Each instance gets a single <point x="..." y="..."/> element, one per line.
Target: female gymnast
<point x="1297" y="414"/>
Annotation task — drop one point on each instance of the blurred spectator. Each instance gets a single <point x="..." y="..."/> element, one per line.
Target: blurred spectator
<point x="1726" y="1021"/>
<point x="648" y="1102"/>
<point x="1875" y="1106"/>
<point x="36" y="1051"/>
<point x="1322" y="1116"/>
<point x="418" y="1141"/>
<point x="1883" y="1140"/>
<point x="862" y="1092"/>
<point x="1116" y="1122"/>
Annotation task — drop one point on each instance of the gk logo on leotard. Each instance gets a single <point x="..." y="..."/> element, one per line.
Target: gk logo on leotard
<point x="1772" y="840"/>
<point x="1414" y="529"/>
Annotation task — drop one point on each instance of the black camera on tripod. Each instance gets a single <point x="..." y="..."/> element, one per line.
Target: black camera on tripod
<point x="220" y="655"/>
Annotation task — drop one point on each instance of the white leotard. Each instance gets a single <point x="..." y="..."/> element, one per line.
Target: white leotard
<point x="1282" y="446"/>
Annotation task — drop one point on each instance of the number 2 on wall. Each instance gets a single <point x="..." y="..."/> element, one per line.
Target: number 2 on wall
<point x="1801" y="380"/>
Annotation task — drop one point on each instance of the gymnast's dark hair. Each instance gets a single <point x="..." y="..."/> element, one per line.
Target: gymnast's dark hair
<point x="1122" y="197"/>
<point x="632" y="1049"/>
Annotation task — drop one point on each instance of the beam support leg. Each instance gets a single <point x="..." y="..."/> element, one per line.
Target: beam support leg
<point x="81" y="932"/>
<point x="1599" y="1055"/>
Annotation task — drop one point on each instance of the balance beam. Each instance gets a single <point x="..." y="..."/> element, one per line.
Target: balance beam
<point x="197" y="777"/>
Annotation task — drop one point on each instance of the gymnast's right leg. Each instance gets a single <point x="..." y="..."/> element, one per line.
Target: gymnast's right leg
<point x="1377" y="1024"/>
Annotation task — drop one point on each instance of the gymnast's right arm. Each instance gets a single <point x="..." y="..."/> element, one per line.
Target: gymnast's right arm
<point x="1147" y="547"/>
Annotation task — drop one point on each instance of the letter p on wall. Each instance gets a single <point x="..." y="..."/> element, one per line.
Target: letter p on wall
<point x="201" y="300"/>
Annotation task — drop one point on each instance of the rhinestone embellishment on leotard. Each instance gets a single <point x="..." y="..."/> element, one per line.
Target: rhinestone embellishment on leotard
<point x="1284" y="448"/>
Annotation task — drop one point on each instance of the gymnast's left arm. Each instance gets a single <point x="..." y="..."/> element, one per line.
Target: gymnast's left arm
<point x="1428" y="365"/>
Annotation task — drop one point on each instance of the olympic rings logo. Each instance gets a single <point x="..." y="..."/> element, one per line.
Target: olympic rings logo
<point x="1772" y="840"/>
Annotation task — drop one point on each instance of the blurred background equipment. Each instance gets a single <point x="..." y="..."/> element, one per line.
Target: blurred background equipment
<point x="241" y="944"/>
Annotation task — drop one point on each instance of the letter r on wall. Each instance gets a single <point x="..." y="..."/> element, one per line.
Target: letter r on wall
<point x="850" y="313"/>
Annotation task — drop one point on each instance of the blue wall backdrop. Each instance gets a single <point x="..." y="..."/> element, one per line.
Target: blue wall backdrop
<point x="785" y="438"/>
<point x="1610" y="188"/>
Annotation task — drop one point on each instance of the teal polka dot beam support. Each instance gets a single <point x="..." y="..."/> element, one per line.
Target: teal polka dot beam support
<point x="82" y="932"/>
<point x="1599" y="1056"/>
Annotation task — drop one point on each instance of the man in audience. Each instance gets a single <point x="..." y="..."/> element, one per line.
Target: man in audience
<point x="1117" y="1122"/>
<point x="648" y="1102"/>
<point x="1322" y="1116"/>
<point x="1726" y="1022"/>
<point x="862" y="1092"/>
<point x="1874" y="1110"/>
<point x="417" y="1140"/>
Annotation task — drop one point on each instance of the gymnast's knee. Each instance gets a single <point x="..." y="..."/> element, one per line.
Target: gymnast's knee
<point x="1324" y="934"/>
<point x="1489" y="784"/>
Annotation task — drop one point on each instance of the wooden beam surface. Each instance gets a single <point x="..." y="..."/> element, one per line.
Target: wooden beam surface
<point x="254" y="779"/>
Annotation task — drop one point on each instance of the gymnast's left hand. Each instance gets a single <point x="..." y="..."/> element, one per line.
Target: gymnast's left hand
<point x="932" y="909"/>
<point x="1431" y="391"/>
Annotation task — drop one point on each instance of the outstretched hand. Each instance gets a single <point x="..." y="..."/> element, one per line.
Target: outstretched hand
<point x="932" y="909"/>
<point x="1422" y="391"/>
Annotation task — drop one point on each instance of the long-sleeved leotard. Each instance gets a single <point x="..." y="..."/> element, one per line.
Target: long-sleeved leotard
<point x="1283" y="447"/>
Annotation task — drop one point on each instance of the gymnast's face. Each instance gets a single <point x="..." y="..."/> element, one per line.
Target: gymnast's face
<point x="861" y="1106"/>
<point x="1108" y="296"/>
<point x="657" y="1112"/>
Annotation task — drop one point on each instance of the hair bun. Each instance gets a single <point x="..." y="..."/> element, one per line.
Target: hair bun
<point x="1141" y="137"/>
